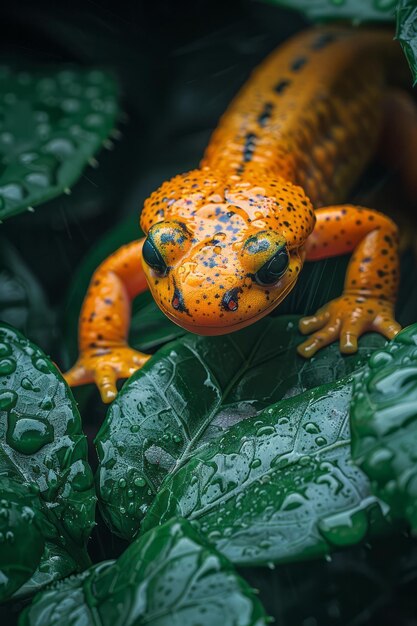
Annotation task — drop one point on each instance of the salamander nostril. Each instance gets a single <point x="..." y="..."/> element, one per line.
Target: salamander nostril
<point x="178" y="301"/>
<point x="230" y="300"/>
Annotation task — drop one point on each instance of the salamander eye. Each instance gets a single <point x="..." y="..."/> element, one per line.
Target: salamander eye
<point x="273" y="269"/>
<point x="153" y="258"/>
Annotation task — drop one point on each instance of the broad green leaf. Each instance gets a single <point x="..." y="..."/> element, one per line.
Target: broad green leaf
<point x="355" y="10"/>
<point x="279" y="486"/>
<point x="166" y="578"/>
<point x="384" y="424"/>
<point x="406" y="32"/>
<point x="21" y="537"/>
<point x="51" y="125"/>
<point x="43" y="448"/>
<point x="22" y="299"/>
<point x="189" y="393"/>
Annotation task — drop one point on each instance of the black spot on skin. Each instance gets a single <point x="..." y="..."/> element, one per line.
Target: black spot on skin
<point x="323" y="40"/>
<point x="265" y="115"/>
<point x="299" y="63"/>
<point x="249" y="147"/>
<point x="282" y="85"/>
<point x="230" y="300"/>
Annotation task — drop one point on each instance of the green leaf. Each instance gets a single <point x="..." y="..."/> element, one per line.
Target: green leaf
<point x="168" y="577"/>
<point x="355" y="10"/>
<point x="42" y="447"/>
<point x="52" y="123"/>
<point x="22" y="299"/>
<point x="189" y="393"/>
<point x="384" y="424"/>
<point x="279" y="486"/>
<point x="21" y="538"/>
<point x="406" y="32"/>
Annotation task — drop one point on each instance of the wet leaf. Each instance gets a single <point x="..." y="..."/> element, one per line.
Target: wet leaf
<point x="279" y="486"/>
<point x="355" y="10"/>
<point x="188" y="394"/>
<point x="167" y="577"/>
<point x="384" y="424"/>
<point x="406" y="32"/>
<point x="21" y="538"/>
<point x="43" y="448"/>
<point x="52" y="123"/>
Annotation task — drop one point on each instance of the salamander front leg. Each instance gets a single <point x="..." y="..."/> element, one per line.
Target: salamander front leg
<point x="104" y="323"/>
<point x="368" y="299"/>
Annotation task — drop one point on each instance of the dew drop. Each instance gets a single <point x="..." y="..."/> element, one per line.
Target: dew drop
<point x="139" y="482"/>
<point x="265" y="430"/>
<point x="70" y="105"/>
<point x="47" y="404"/>
<point x="13" y="191"/>
<point x="40" y="179"/>
<point x="60" y="147"/>
<point x="27" y="384"/>
<point x="27" y="435"/>
<point x="5" y="350"/>
<point x="8" y="399"/>
<point x="311" y="428"/>
<point x="7" y="366"/>
<point x="380" y="358"/>
<point x="41" y="365"/>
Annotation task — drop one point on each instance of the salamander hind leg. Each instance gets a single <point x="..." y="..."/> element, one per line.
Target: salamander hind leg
<point x="368" y="299"/>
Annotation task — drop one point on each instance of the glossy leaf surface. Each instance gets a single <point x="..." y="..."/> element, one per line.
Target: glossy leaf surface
<point x="43" y="448"/>
<point x="384" y="424"/>
<point x="52" y="123"/>
<point x="356" y="10"/>
<point x="166" y="578"/>
<point x="188" y="394"/>
<point x="279" y="486"/>
<point x="21" y="538"/>
<point x="407" y="32"/>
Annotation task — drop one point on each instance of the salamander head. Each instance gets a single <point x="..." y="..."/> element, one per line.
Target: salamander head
<point x="220" y="254"/>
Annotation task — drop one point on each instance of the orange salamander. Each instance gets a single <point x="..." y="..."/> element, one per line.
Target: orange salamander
<point x="225" y="243"/>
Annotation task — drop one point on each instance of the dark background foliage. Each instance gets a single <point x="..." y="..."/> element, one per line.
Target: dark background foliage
<point x="178" y="63"/>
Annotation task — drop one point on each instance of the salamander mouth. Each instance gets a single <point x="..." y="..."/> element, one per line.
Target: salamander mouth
<point x="210" y="330"/>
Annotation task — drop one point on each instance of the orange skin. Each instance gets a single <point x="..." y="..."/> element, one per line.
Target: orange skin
<point x="294" y="139"/>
